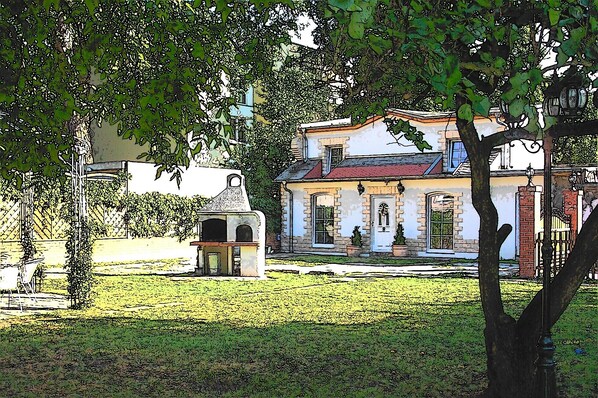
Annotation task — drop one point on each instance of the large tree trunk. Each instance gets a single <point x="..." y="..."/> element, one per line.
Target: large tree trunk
<point x="510" y="344"/>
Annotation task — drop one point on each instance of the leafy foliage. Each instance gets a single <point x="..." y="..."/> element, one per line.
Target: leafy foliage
<point x="159" y="74"/>
<point x="399" y="238"/>
<point x="78" y="266"/>
<point x="154" y="214"/>
<point x="356" y="237"/>
<point x="294" y="93"/>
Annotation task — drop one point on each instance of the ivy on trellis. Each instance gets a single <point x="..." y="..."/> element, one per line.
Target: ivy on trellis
<point x="147" y="215"/>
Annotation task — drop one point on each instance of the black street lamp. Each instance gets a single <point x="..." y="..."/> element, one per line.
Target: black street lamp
<point x="529" y="173"/>
<point x="562" y="101"/>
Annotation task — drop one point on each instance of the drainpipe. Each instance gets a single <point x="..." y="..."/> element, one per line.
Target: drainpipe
<point x="284" y="186"/>
<point x="304" y="144"/>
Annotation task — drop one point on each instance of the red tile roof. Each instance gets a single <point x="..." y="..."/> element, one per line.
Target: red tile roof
<point x="316" y="172"/>
<point x="397" y="170"/>
<point x="402" y="165"/>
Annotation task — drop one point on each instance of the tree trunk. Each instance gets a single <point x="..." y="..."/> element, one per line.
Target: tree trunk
<point x="510" y="350"/>
<point x="511" y="360"/>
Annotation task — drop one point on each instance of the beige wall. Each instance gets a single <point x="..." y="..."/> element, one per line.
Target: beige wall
<point x="108" y="146"/>
<point x="111" y="250"/>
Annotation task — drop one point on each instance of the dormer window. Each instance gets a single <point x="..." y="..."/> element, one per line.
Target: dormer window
<point x="334" y="155"/>
<point x="457" y="154"/>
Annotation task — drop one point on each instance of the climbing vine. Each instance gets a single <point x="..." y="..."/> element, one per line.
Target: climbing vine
<point x="79" y="264"/>
<point x="154" y="214"/>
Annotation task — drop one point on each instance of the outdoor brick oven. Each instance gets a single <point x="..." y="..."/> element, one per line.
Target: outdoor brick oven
<point x="232" y="236"/>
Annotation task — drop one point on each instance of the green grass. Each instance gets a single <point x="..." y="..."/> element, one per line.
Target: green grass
<point x="310" y="260"/>
<point x="288" y="336"/>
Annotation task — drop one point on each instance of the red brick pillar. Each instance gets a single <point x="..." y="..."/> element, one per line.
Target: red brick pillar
<point x="529" y="215"/>
<point x="572" y="206"/>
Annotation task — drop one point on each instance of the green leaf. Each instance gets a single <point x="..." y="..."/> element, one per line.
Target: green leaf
<point x="482" y="107"/>
<point x="198" y="51"/>
<point x="516" y="107"/>
<point x="91" y="6"/>
<point x="554" y="16"/>
<point x="356" y="29"/>
<point x="465" y="112"/>
<point x="49" y="3"/>
<point x="342" y="4"/>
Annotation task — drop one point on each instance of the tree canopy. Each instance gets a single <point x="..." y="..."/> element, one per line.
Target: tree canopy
<point x="163" y="71"/>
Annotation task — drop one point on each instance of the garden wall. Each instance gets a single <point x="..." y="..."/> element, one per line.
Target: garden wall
<point x="110" y="250"/>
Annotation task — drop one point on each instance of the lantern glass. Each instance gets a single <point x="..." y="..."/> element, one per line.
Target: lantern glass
<point x="552" y="106"/>
<point x="504" y="108"/>
<point x="573" y="100"/>
<point x="583" y="98"/>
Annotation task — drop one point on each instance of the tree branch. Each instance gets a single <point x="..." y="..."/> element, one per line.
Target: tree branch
<point x="564" y="285"/>
<point x="502" y="233"/>
<point x="503" y="137"/>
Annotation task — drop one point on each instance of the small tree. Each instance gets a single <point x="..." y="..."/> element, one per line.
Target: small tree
<point x="399" y="238"/>
<point x="356" y="237"/>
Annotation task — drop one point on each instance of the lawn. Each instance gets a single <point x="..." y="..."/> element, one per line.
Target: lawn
<point x="287" y="336"/>
<point x="309" y="260"/>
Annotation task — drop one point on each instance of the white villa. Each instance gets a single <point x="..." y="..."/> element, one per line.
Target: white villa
<point x="358" y="175"/>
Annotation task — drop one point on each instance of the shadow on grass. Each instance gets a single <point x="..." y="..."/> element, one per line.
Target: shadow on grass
<point x="166" y="358"/>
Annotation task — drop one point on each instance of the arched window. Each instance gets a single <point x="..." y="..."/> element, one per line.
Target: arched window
<point x="440" y="221"/>
<point x="323" y="219"/>
<point x="383" y="217"/>
<point x="244" y="233"/>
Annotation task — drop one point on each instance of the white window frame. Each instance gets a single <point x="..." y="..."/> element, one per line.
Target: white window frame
<point x="329" y="150"/>
<point x="315" y="220"/>
<point x="429" y="235"/>
<point x="451" y="154"/>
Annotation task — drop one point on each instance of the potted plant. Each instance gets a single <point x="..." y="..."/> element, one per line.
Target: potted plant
<point x="399" y="245"/>
<point x="354" y="249"/>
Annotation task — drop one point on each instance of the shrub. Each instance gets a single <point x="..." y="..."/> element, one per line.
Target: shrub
<point x="356" y="237"/>
<point x="399" y="238"/>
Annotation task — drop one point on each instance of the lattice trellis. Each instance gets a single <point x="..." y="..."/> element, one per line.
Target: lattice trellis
<point x="10" y="216"/>
<point x="47" y="224"/>
<point x="115" y="222"/>
<point x="112" y="219"/>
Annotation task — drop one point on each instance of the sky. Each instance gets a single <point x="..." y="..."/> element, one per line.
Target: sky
<point x="305" y="38"/>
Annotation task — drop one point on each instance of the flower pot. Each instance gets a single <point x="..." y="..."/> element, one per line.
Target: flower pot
<point x="353" y="251"/>
<point x="399" y="250"/>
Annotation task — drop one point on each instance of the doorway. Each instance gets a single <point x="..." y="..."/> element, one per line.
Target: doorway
<point x="383" y="219"/>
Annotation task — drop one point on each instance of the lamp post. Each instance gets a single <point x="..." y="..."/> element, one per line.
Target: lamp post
<point x="565" y="100"/>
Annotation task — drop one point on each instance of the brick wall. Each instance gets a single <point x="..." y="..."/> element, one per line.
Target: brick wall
<point x="572" y="206"/>
<point x="529" y="203"/>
